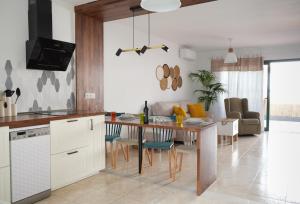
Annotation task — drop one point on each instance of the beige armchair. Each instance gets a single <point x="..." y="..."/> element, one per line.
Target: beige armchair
<point x="249" y="122"/>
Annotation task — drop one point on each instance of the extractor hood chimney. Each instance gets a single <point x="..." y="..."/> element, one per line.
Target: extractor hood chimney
<point x="42" y="52"/>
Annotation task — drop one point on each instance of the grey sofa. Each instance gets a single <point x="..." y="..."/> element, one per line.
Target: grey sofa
<point x="249" y="122"/>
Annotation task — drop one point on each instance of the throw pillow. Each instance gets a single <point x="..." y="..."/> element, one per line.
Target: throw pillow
<point x="197" y="110"/>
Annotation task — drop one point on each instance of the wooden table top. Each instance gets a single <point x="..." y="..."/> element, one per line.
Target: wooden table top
<point x="32" y="119"/>
<point x="166" y="125"/>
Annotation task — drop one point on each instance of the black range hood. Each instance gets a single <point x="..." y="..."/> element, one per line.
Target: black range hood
<point x="42" y="52"/>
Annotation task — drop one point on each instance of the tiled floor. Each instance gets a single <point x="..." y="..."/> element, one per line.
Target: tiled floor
<point x="261" y="169"/>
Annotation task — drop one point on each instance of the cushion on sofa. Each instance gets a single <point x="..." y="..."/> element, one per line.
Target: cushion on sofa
<point x="197" y="110"/>
<point x="163" y="108"/>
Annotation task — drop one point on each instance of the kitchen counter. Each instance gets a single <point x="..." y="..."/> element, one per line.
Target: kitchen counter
<point x="33" y="119"/>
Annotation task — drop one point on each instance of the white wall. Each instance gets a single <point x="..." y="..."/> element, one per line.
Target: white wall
<point x="268" y="53"/>
<point x="130" y="79"/>
<point x="14" y="33"/>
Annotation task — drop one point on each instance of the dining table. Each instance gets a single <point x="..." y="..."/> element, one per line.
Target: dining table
<point x="206" y="146"/>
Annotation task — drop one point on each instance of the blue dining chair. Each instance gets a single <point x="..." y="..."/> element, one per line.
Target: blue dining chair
<point x="113" y="133"/>
<point x="162" y="139"/>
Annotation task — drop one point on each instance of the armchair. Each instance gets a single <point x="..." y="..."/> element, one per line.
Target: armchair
<point x="249" y="122"/>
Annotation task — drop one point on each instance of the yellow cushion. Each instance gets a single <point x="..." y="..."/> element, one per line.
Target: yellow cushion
<point x="179" y="111"/>
<point x="197" y="110"/>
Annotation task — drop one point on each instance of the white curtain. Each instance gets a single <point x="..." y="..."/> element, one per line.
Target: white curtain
<point x="241" y="83"/>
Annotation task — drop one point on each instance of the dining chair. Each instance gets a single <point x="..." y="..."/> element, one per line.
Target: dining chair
<point x="113" y="132"/>
<point x="189" y="138"/>
<point x="162" y="140"/>
<point x="126" y="143"/>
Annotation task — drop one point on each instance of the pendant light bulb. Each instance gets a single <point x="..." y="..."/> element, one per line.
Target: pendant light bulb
<point x="160" y="5"/>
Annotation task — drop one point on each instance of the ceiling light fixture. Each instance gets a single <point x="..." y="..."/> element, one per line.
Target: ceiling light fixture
<point x="133" y="49"/>
<point x="160" y="5"/>
<point x="145" y="48"/>
<point x="231" y="57"/>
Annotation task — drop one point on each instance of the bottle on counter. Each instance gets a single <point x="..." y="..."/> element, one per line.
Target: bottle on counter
<point x="146" y="113"/>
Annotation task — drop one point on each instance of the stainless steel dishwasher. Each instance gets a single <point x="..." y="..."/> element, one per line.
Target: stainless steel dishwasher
<point x="30" y="164"/>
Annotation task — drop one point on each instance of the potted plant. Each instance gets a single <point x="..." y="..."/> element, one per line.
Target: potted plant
<point x="210" y="87"/>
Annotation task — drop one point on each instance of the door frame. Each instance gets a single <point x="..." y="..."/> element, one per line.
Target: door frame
<point x="268" y="63"/>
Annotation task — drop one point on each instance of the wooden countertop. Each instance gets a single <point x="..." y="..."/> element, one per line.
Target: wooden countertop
<point x="32" y="119"/>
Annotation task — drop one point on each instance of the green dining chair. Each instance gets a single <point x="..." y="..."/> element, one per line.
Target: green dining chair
<point x="113" y="132"/>
<point x="162" y="139"/>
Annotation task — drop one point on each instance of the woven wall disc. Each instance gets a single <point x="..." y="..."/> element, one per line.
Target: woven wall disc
<point x="159" y="72"/>
<point x="170" y="80"/>
<point x="174" y="84"/>
<point x="166" y="71"/>
<point x="164" y="84"/>
<point x="172" y="72"/>
<point x="179" y="84"/>
<point x="176" y="72"/>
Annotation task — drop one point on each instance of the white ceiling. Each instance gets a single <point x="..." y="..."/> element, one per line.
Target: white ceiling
<point x="251" y="23"/>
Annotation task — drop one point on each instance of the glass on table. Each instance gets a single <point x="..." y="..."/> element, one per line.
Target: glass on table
<point x="113" y="116"/>
<point x="142" y="118"/>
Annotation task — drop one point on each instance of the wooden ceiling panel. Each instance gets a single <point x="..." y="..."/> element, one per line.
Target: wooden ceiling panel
<point x="109" y="10"/>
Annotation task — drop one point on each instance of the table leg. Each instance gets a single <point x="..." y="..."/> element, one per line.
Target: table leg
<point x="198" y="182"/>
<point x="140" y="140"/>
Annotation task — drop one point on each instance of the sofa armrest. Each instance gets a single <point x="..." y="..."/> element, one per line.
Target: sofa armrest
<point x="235" y="115"/>
<point x="250" y="114"/>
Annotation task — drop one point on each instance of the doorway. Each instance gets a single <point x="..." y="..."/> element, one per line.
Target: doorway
<point x="282" y="97"/>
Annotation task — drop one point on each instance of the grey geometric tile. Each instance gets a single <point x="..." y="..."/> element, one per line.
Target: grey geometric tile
<point x="44" y="78"/>
<point x="35" y="107"/>
<point x="8" y="67"/>
<point x="39" y="85"/>
<point x="71" y="103"/>
<point x="8" y="83"/>
<point x="52" y="78"/>
<point x="57" y="85"/>
<point x="48" y="73"/>
<point x="69" y="78"/>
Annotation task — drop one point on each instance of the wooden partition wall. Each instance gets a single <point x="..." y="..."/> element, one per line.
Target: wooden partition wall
<point x="89" y="62"/>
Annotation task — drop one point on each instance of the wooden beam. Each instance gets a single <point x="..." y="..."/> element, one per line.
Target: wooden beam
<point x="109" y="10"/>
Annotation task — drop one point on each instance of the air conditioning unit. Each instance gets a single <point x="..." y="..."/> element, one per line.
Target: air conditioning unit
<point x="187" y="54"/>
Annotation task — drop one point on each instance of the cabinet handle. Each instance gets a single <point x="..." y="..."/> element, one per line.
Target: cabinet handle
<point x="72" y="152"/>
<point x="92" y="124"/>
<point x="72" y="121"/>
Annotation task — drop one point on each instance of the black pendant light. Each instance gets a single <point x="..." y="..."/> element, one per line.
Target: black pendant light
<point x="133" y="49"/>
<point x="145" y="48"/>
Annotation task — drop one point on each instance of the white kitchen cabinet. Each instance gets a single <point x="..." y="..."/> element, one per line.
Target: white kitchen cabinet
<point x="68" y="167"/>
<point x="69" y="134"/>
<point x="4" y="166"/>
<point x="78" y="149"/>
<point x="97" y="147"/>
<point x="4" y="147"/>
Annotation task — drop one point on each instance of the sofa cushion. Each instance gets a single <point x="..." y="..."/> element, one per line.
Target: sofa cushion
<point x="196" y="110"/>
<point x="163" y="108"/>
<point x="250" y="121"/>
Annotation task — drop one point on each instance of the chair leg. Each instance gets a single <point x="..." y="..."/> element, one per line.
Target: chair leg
<point x="152" y="156"/>
<point x="124" y="153"/>
<point x="144" y="154"/>
<point x="115" y="155"/>
<point x="180" y="161"/>
<point x="149" y="157"/>
<point x="111" y="154"/>
<point x="174" y="163"/>
<point x="170" y="163"/>
<point x="128" y="152"/>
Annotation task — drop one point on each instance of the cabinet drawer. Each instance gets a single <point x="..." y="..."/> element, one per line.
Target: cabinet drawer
<point x="69" y="134"/>
<point x="4" y="146"/>
<point x="5" y="185"/>
<point x="69" y="167"/>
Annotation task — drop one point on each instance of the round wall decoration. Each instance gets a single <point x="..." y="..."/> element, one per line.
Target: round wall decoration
<point x="172" y="72"/>
<point x="179" y="80"/>
<point x="166" y="70"/>
<point x="159" y="72"/>
<point x="169" y="77"/>
<point x="164" y="84"/>
<point x="174" y="84"/>
<point x="176" y="71"/>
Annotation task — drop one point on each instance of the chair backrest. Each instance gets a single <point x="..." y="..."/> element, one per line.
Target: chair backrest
<point x="162" y="135"/>
<point x="236" y="105"/>
<point x="133" y="132"/>
<point x="113" y="129"/>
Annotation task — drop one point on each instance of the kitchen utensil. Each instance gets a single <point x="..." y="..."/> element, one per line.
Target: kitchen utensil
<point x="169" y="82"/>
<point x="166" y="70"/>
<point x="164" y="84"/>
<point x="174" y="84"/>
<point x="179" y="82"/>
<point x="176" y="71"/>
<point x="18" y="92"/>
<point x="9" y="93"/>
<point x="14" y="111"/>
<point x="2" y="112"/>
